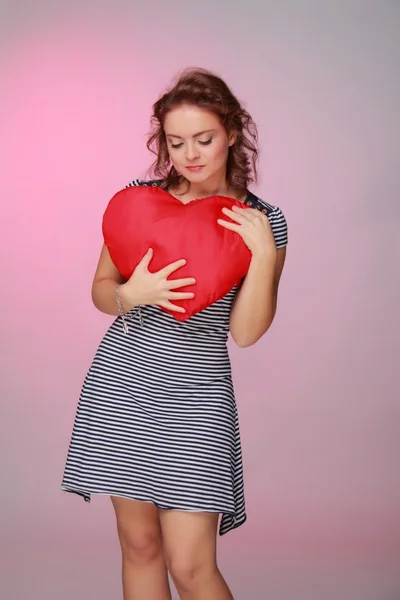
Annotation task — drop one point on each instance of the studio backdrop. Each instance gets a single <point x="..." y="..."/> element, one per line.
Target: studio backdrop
<point x="318" y="397"/>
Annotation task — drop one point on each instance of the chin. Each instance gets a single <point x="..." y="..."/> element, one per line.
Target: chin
<point x="200" y="177"/>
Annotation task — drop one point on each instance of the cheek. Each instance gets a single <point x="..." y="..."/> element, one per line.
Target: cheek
<point x="219" y="152"/>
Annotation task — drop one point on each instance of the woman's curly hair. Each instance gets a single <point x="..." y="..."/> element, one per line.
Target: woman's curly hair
<point x="198" y="87"/>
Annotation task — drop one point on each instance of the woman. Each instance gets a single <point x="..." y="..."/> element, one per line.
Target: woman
<point x="156" y="427"/>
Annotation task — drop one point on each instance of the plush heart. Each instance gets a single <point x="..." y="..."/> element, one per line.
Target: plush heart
<point x="139" y="218"/>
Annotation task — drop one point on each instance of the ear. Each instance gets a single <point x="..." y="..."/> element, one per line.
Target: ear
<point x="232" y="137"/>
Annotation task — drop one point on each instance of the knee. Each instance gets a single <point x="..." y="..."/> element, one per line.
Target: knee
<point x="189" y="573"/>
<point x="140" y="546"/>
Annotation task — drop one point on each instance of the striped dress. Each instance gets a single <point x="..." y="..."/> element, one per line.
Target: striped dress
<point x="157" y="418"/>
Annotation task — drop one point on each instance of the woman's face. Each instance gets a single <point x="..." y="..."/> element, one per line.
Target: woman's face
<point x="198" y="144"/>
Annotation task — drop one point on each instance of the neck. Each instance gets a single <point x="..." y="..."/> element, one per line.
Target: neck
<point x="204" y="191"/>
<point x="217" y="186"/>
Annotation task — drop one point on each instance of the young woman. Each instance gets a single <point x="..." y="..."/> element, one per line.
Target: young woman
<point x="156" y="427"/>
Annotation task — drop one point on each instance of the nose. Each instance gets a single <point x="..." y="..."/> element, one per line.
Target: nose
<point x="192" y="151"/>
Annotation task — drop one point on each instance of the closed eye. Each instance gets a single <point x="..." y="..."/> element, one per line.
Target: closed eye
<point x="206" y="143"/>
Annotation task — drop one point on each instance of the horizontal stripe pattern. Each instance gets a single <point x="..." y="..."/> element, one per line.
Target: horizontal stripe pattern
<point x="157" y="419"/>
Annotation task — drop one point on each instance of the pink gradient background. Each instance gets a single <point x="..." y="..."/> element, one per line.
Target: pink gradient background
<point x="318" y="396"/>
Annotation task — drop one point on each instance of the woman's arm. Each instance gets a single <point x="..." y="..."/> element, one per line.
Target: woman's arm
<point x="255" y="304"/>
<point x="106" y="280"/>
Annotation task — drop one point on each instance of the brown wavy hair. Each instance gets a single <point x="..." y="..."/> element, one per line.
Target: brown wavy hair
<point x="198" y="87"/>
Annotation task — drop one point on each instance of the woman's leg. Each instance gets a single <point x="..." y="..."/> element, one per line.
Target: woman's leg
<point x="144" y="572"/>
<point x="190" y="550"/>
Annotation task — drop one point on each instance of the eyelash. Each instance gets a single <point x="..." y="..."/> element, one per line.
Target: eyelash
<point x="207" y="143"/>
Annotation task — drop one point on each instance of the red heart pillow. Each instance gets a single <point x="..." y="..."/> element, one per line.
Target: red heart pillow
<point x="139" y="218"/>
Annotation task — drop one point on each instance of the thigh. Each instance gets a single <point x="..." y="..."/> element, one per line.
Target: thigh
<point x="138" y="525"/>
<point x="190" y="539"/>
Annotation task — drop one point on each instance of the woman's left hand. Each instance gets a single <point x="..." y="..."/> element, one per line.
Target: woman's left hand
<point x="254" y="228"/>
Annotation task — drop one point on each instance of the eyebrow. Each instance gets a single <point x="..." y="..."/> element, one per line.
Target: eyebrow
<point x="196" y="135"/>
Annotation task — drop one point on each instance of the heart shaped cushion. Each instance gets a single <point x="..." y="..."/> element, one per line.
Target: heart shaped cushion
<point x="139" y="218"/>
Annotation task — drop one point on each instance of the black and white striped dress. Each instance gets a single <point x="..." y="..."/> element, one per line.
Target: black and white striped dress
<point x="157" y="419"/>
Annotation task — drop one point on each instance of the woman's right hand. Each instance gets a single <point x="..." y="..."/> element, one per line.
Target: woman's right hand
<point x="144" y="287"/>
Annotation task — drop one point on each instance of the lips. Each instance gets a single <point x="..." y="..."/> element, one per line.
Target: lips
<point x="195" y="168"/>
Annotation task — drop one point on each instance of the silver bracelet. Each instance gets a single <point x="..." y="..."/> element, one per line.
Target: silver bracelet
<point x="122" y="314"/>
<point x="120" y="310"/>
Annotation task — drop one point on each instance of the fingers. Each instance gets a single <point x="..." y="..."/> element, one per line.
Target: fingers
<point x="176" y="296"/>
<point x="237" y="217"/>
<point x="169" y="269"/>
<point x="231" y="226"/>
<point x="146" y="260"/>
<point x="241" y="215"/>
<point x="251" y="213"/>
<point x="180" y="295"/>
<point x="173" y="307"/>
<point x="172" y="284"/>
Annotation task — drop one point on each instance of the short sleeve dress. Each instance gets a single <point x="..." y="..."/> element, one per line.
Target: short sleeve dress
<point x="157" y="419"/>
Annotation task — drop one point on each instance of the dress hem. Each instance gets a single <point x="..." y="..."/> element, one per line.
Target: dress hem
<point x="86" y="495"/>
